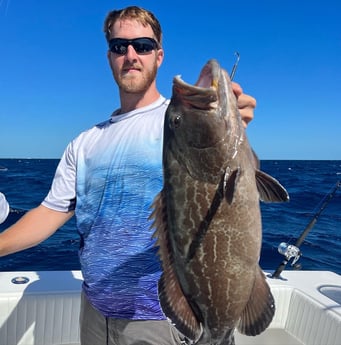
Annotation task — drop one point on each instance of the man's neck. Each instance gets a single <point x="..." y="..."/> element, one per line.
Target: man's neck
<point x="131" y="101"/>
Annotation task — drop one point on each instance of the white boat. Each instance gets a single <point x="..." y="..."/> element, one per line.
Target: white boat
<point x="42" y="308"/>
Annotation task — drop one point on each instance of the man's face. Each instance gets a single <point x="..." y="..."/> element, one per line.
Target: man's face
<point x="134" y="72"/>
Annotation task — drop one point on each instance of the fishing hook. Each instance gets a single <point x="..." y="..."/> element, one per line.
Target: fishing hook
<point x="234" y="68"/>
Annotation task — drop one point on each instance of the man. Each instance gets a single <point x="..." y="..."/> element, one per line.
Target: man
<point x="108" y="176"/>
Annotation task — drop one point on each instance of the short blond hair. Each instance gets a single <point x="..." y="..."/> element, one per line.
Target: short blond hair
<point x="139" y="14"/>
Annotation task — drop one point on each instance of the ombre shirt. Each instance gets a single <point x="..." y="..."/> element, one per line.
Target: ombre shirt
<point x="110" y="175"/>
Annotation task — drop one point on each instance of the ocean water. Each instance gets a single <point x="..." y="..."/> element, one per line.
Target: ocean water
<point x="25" y="182"/>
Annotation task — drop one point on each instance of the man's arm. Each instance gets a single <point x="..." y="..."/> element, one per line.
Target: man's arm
<point x="34" y="227"/>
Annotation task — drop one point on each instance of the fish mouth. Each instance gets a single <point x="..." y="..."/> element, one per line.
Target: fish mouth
<point x="205" y="106"/>
<point x="209" y="75"/>
<point x="204" y="94"/>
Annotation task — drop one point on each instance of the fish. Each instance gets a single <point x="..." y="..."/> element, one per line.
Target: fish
<point x="207" y="218"/>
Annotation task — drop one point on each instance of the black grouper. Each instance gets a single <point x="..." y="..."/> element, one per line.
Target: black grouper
<point x="207" y="216"/>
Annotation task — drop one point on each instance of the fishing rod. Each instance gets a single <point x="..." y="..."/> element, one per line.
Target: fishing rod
<point x="293" y="251"/>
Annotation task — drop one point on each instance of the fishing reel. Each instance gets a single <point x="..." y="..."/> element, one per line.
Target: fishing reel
<point x="290" y="251"/>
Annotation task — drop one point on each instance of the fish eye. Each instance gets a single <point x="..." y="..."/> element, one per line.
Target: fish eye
<point x="176" y="121"/>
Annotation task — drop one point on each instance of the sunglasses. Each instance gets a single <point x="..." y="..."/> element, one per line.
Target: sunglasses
<point x="142" y="45"/>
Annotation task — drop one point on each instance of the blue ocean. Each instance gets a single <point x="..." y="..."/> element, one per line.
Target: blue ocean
<point x="312" y="186"/>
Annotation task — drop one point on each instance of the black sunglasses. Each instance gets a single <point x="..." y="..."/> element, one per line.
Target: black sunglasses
<point x="142" y="45"/>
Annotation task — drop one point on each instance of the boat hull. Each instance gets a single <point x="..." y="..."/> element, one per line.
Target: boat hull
<point x="45" y="310"/>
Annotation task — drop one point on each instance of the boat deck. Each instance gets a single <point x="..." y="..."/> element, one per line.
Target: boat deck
<point x="45" y="309"/>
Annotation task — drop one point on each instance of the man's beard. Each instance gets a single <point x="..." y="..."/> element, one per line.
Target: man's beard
<point x="129" y="84"/>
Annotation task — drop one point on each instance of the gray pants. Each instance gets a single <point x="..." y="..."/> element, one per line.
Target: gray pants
<point x="96" y="329"/>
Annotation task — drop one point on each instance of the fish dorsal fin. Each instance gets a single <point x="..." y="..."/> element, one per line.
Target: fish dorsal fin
<point x="270" y="190"/>
<point x="173" y="302"/>
<point x="260" y="308"/>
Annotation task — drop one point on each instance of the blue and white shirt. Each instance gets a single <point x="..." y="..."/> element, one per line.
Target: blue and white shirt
<point x="110" y="175"/>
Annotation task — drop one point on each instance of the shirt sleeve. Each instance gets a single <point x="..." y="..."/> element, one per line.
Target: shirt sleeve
<point x="62" y="195"/>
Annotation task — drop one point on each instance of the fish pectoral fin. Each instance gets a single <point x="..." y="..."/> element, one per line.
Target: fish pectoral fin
<point x="270" y="190"/>
<point x="176" y="307"/>
<point x="260" y="308"/>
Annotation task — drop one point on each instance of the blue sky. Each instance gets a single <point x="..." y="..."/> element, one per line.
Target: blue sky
<point x="55" y="80"/>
